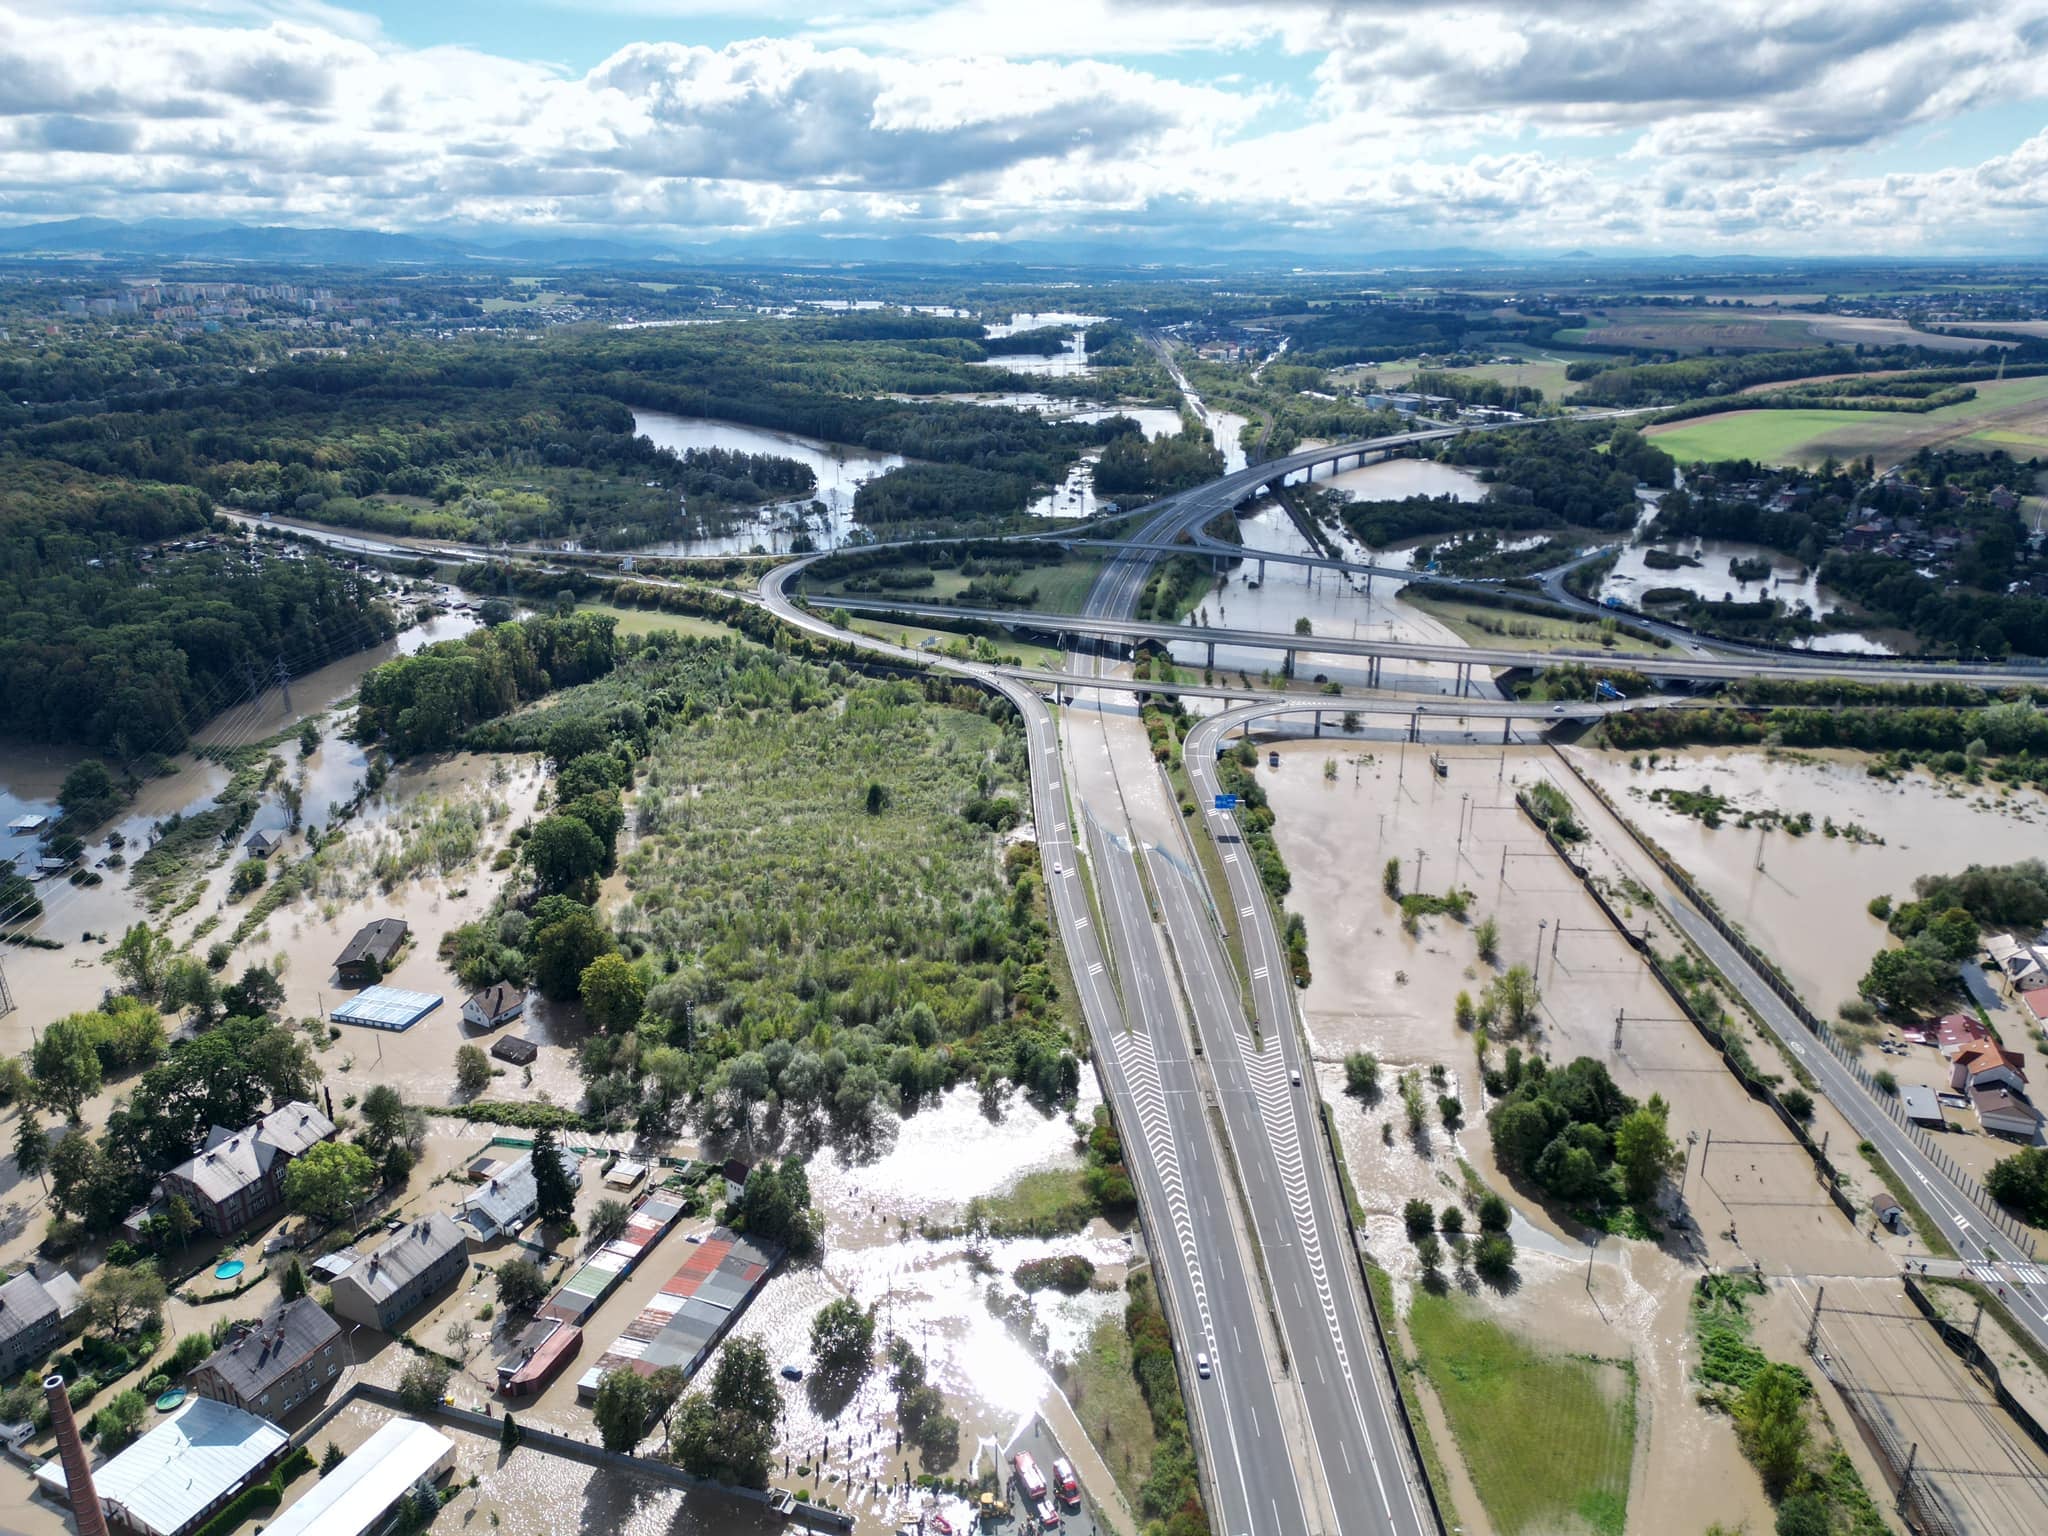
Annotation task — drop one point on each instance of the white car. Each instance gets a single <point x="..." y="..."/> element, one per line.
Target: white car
<point x="1202" y="1366"/>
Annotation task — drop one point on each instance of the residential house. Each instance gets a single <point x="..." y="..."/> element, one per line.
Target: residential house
<point x="34" y="1319"/>
<point x="238" y="1176"/>
<point x="1988" y="1064"/>
<point x="370" y="952"/>
<point x="2004" y="1113"/>
<point x="2023" y="966"/>
<point x="269" y="1367"/>
<point x="261" y="845"/>
<point x="494" y="1006"/>
<point x="509" y="1200"/>
<point x="1957" y="1030"/>
<point x="419" y="1261"/>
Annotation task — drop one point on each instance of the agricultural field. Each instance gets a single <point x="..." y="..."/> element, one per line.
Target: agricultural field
<point x="1763" y="330"/>
<point x="1061" y="588"/>
<point x="650" y="621"/>
<point x="2011" y="414"/>
<point x="1538" y="370"/>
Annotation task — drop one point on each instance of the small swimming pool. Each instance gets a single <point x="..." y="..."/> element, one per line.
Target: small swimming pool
<point x="227" y="1269"/>
<point x="170" y="1400"/>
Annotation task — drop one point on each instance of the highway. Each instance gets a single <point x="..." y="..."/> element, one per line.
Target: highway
<point x="1142" y="1056"/>
<point x="1099" y="623"/>
<point x="1352" y="1425"/>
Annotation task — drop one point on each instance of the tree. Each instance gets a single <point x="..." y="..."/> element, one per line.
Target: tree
<point x="564" y="855"/>
<point x="1798" y="1104"/>
<point x="472" y="1070"/>
<point x="557" y="1196"/>
<point x="1493" y="1256"/>
<point x="293" y="1285"/>
<point x="117" y="1421"/>
<point x="508" y="1434"/>
<point x="1419" y="1216"/>
<point x="88" y="795"/>
<point x="1486" y="935"/>
<point x="1512" y="998"/>
<point x="1907" y="977"/>
<point x="1644" y="1149"/>
<point x="608" y="1219"/>
<point x="423" y="1384"/>
<point x="624" y="1405"/>
<point x="31" y="1144"/>
<point x="2021" y="1181"/>
<point x="612" y="993"/>
<point x="65" y="1066"/>
<point x="843" y="1338"/>
<point x="388" y="1121"/>
<point x="1494" y="1214"/>
<point x="878" y="798"/>
<point x="1770" y="1418"/>
<point x="1804" y="1514"/>
<point x="257" y="994"/>
<point x="521" y="1285"/>
<point x="334" y="1456"/>
<point x="728" y="1432"/>
<point x="329" y="1181"/>
<point x="1362" y="1074"/>
<point x="125" y="1296"/>
<point x="563" y="950"/>
<point x="139" y="959"/>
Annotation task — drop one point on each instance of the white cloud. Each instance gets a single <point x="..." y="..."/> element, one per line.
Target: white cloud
<point x="1462" y="124"/>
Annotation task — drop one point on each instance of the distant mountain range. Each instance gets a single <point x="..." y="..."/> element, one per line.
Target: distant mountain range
<point x="226" y="240"/>
<point x="223" y="240"/>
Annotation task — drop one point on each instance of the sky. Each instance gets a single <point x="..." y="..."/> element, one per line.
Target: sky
<point x="1802" y="127"/>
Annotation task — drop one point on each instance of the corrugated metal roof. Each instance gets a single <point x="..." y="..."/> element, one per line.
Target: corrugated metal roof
<point x="387" y="1007"/>
<point x="356" y="1495"/>
<point x="206" y="1451"/>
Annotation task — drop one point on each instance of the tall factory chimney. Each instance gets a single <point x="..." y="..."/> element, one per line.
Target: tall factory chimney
<point x="86" y="1513"/>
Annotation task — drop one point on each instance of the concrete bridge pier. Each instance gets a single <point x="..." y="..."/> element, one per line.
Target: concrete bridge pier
<point x="1262" y="573"/>
<point x="1319" y="722"/>
<point x="1415" y="726"/>
<point x="1507" y="729"/>
<point x="1212" y="655"/>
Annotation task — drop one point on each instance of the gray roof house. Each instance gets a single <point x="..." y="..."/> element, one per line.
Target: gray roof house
<point x="417" y="1262"/>
<point x="32" y="1319"/>
<point x="510" y="1200"/>
<point x="271" y="1366"/>
<point x="238" y="1176"/>
<point x="369" y="953"/>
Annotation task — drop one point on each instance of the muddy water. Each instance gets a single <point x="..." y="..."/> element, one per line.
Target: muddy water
<point x="1379" y="988"/>
<point x="1333" y="602"/>
<point x="1790" y="583"/>
<point x="1812" y="891"/>
<point x="1397" y="479"/>
<point x="840" y="468"/>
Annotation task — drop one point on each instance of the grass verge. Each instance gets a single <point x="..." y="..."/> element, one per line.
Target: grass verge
<point x="1103" y="1388"/>
<point x="1405" y="1367"/>
<point x="1546" y="1438"/>
<point x="1923" y="1225"/>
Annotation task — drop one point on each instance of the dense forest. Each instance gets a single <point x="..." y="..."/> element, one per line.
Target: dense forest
<point x="101" y="649"/>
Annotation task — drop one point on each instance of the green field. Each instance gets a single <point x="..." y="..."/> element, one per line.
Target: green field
<point x="1541" y="370"/>
<point x="1495" y="628"/>
<point x="1548" y="1439"/>
<point x="650" y="621"/>
<point x="2010" y="414"/>
<point x="953" y="643"/>
<point x="1105" y="1396"/>
<point x="1062" y="588"/>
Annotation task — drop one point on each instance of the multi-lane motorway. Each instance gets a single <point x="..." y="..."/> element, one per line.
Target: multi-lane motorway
<point x="1317" y="1444"/>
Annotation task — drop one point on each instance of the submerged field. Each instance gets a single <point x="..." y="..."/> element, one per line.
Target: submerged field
<point x="2011" y="414"/>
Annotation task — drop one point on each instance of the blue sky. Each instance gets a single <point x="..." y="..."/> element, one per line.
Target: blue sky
<point x="1332" y="126"/>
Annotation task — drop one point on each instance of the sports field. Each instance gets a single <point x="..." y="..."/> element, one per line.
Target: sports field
<point x="2011" y="414"/>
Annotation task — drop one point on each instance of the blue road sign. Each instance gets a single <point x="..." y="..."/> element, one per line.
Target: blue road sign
<point x="1226" y="802"/>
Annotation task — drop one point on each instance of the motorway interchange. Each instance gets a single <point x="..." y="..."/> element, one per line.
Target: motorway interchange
<point x="1299" y="1426"/>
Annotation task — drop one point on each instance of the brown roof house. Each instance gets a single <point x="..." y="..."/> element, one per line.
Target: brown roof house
<point x="369" y="954"/>
<point x="238" y="1176"/>
<point x="271" y="1366"/>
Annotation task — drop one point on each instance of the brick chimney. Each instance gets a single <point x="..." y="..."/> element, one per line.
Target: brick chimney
<point x="84" y="1498"/>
